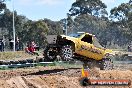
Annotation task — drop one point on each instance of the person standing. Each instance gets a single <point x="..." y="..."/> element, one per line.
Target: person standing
<point x="1" y="45"/>
<point x="11" y="44"/>
<point x="17" y="44"/>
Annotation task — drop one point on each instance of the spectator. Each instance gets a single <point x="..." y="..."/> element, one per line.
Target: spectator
<point x="31" y="50"/>
<point x="35" y="46"/>
<point x="17" y="44"/>
<point x="11" y="44"/>
<point x="1" y="45"/>
<point x="129" y="47"/>
<point x="3" y="40"/>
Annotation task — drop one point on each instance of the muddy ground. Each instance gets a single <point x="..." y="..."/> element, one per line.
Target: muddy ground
<point x="57" y="77"/>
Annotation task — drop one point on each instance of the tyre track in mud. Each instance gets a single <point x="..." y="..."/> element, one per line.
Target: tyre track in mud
<point x="52" y="70"/>
<point x="58" y="77"/>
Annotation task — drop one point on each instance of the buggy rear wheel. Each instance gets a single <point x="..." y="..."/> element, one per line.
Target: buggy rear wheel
<point x="106" y="64"/>
<point x="50" y="54"/>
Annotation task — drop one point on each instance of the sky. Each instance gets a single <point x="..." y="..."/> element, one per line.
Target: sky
<point x="51" y="9"/>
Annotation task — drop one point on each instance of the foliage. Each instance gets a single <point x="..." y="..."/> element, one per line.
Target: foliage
<point x="6" y="22"/>
<point x="54" y="27"/>
<point x="92" y="7"/>
<point x="122" y="15"/>
<point x="107" y="32"/>
<point x="121" y="12"/>
<point x="34" y="31"/>
<point x="85" y="15"/>
<point x="2" y="5"/>
<point x="111" y="33"/>
<point x="27" y="30"/>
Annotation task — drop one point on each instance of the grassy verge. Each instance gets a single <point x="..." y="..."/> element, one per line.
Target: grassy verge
<point x="10" y="55"/>
<point x="68" y="64"/>
<point x="59" y="64"/>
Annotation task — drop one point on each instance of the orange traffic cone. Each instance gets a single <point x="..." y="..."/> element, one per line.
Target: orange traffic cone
<point x="85" y="73"/>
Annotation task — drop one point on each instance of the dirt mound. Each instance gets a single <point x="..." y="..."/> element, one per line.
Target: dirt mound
<point x="57" y="77"/>
<point x="7" y="74"/>
<point x="42" y="82"/>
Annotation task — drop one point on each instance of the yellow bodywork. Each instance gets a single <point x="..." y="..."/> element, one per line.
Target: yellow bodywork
<point x="87" y="49"/>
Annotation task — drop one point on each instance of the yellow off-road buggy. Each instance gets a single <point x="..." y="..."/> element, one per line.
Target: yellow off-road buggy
<point x="81" y="46"/>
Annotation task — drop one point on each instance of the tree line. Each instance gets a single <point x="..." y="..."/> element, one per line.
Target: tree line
<point x="113" y="31"/>
<point x="26" y="30"/>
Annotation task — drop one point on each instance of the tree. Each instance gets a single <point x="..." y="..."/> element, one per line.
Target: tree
<point x="91" y="16"/>
<point x="6" y="22"/>
<point x="92" y="7"/>
<point x="130" y="1"/>
<point x="130" y="21"/>
<point x="35" y="31"/>
<point x="122" y="15"/>
<point x="54" y="27"/>
<point x="27" y="30"/>
<point x="2" y="5"/>
<point x="121" y="12"/>
<point x="70" y="24"/>
<point x="130" y="16"/>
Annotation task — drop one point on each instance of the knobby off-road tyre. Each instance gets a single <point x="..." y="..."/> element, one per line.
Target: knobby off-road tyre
<point x="87" y="65"/>
<point x="67" y="53"/>
<point x="50" y="54"/>
<point x="106" y="64"/>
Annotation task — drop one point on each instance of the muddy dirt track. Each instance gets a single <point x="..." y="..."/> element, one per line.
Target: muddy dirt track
<point x="56" y="77"/>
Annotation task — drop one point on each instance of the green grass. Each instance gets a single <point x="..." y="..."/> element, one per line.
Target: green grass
<point x="68" y="65"/>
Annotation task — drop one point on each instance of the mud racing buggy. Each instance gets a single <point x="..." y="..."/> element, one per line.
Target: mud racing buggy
<point x="79" y="46"/>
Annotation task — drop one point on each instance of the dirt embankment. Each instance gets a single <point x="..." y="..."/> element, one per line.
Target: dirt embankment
<point x="56" y="77"/>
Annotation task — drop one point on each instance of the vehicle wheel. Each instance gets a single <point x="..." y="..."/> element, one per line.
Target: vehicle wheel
<point x="50" y="54"/>
<point x="67" y="53"/>
<point x="87" y="65"/>
<point x="106" y="64"/>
